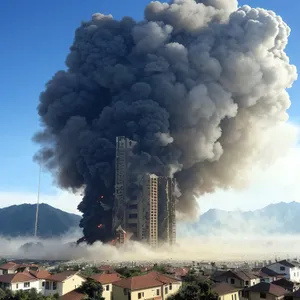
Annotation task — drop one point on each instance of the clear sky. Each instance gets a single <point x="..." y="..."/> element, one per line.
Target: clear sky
<point x="35" y="38"/>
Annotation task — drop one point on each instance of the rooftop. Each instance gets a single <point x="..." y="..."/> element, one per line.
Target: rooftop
<point x="60" y="277"/>
<point x="288" y="264"/>
<point x="268" y="288"/>
<point x="224" y="288"/>
<point x="152" y="279"/>
<point x="106" y="278"/>
<point x="284" y="283"/>
<point x="18" y="277"/>
<point x="73" y="295"/>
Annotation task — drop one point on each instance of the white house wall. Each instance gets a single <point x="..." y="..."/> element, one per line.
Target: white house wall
<point x="21" y="286"/>
<point x="292" y="274"/>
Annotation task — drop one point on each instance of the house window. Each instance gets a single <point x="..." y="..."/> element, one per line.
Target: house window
<point x="17" y="286"/>
<point x="125" y="291"/>
<point x="232" y="281"/>
<point x="43" y="283"/>
<point x="47" y="285"/>
<point x="107" y="287"/>
<point x="263" y="295"/>
<point x="170" y="286"/>
<point x="234" y="296"/>
<point x="54" y="286"/>
<point x="140" y="295"/>
<point x="282" y="268"/>
<point x="157" y="292"/>
<point x="26" y="284"/>
<point x="166" y="290"/>
<point x="247" y="282"/>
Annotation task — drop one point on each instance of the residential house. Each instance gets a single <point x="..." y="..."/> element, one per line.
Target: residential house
<point x="290" y="270"/>
<point x="287" y="284"/>
<point x="150" y="286"/>
<point x="107" y="280"/>
<point x="24" y="280"/>
<point x="266" y="275"/>
<point x="238" y="278"/>
<point x="12" y="268"/>
<point x="63" y="283"/>
<point x="179" y="273"/>
<point x="19" y="281"/>
<point x="265" y="290"/>
<point x="226" y="291"/>
<point x="217" y="276"/>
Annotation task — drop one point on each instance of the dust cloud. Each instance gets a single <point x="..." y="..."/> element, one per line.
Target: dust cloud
<point x="216" y="248"/>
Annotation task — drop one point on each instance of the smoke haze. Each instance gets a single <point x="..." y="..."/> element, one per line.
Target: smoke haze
<point x="198" y="84"/>
<point x="219" y="248"/>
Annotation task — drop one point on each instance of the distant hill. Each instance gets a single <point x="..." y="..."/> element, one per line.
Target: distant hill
<point x="19" y="220"/>
<point x="279" y="218"/>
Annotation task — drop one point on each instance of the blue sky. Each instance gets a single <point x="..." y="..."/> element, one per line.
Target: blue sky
<point x="35" y="38"/>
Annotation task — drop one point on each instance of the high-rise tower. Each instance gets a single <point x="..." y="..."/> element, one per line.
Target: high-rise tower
<point x="123" y="151"/>
<point x="150" y="217"/>
<point x="148" y="211"/>
<point x="156" y="216"/>
<point x="166" y="210"/>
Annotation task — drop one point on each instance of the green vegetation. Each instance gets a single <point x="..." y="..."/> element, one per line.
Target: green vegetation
<point x="24" y="295"/>
<point x="126" y="272"/>
<point x="92" y="289"/>
<point x="194" y="288"/>
<point x="89" y="271"/>
<point x="160" y="268"/>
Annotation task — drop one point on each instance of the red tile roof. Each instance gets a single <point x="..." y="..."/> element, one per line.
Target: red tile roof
<point x="269" y="288"/>
<point x="73" y="295"/>
<point x="60" y="277"/>
<point x="152" y="279"/>
<point x="9" y="266"/>
<point x="40" y="274"/>
<point x="18" y="277"/>
<point x="106" y="278"/>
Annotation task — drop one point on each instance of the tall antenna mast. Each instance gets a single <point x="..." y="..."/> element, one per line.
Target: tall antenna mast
<point x="37" y="205"/>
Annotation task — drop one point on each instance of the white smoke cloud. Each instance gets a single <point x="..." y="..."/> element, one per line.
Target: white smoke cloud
<point x="218" y="248"/>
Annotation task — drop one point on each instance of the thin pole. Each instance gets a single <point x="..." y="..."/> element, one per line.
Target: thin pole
<point x="37" y="205"/>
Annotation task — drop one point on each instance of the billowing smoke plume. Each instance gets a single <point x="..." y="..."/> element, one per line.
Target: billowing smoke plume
<point x="196" y="84"/>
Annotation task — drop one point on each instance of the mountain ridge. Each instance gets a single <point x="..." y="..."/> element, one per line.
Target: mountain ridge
<point x="19" y="220"/>
<point x="274" y="218"/>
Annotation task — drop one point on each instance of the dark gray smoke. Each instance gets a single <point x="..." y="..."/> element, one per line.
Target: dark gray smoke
<point x="196" y="84"/>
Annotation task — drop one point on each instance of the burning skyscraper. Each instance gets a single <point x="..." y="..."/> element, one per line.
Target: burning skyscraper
<point x="166" y="210"/>
<point x="150" y="217"/>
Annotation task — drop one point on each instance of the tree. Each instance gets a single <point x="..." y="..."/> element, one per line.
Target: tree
<point x="93" y="289"/>
<point x="194" y="288"/>
<point x="160" y="268"/>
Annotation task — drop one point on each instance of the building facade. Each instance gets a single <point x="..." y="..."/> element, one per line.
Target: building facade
<point x="148" y="211"/>
<point x="290" y="270"/>
<point x="149" y="216"/>
<point x="166" y="211"/>
<point x="156" y="214"/>
<point x="124" y="148"/>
